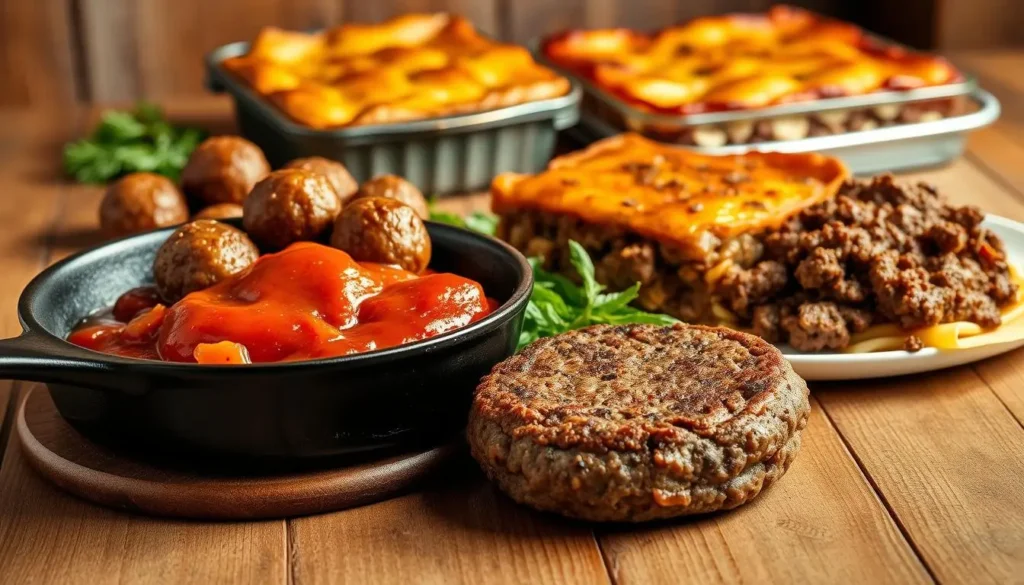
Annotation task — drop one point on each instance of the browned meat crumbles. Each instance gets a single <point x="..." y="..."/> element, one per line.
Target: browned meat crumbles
<point x="878" y="252"/>
<point x="638" y="422"/>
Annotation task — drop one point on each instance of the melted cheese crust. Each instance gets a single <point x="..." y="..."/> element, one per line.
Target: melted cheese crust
<point x="741" y="61"/>
<point x="670" y="194"/>
<point x="410" y="67"/>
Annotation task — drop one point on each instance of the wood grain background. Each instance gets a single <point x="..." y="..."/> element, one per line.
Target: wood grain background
<point x="63" y="51"/>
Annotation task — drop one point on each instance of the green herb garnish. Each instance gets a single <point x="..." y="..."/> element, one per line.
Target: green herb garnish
<point x="478" y="221"/>
<point x="128" y="142"/>
<point x="559" y="305"/>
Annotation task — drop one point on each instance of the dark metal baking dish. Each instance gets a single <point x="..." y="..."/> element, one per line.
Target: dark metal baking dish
<point x="449" y="154"/>
<point x="413" y="395"/>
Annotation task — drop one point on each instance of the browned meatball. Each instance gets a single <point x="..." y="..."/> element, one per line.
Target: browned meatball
<point x="288" y="206"/>
<point x="223" y="169"/>
<point x="198" y="255"/>
<point x="375" y="229"/>
<point x="220" y="211"/>
<point x="392" y="187"/>
<point x="141" y="202"/>
<point x="336" y="173"/>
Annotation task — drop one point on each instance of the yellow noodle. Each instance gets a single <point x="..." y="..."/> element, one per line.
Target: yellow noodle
<point x="887" y="343"/>
<point x="717" y="271"/>
<point x="724" y="316"/>
<point x="956" y="335"/>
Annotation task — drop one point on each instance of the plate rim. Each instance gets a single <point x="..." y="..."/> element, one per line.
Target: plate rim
<point x="819" y="358"/>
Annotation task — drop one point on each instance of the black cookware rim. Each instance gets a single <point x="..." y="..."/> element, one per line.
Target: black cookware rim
<point x="59" y="348"/>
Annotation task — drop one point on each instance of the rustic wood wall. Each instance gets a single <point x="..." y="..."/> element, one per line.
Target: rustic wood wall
<point x="58" y="51"/>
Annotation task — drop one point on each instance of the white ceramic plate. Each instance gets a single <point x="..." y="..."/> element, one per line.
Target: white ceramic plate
<point x="859" y="366"/>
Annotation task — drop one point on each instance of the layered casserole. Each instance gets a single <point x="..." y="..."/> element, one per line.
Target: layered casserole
<point x="410" y="67"/>
<point x="673" y="220"/>
<point x="751" y="61"/>
<point x="782" y="245"/>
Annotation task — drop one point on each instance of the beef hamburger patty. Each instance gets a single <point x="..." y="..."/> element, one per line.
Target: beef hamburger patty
<point x="638" y="422"/>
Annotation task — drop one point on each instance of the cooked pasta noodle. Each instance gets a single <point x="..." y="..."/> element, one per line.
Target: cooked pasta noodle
<point x="716" y="272"/>
<point x="956" y="335"/>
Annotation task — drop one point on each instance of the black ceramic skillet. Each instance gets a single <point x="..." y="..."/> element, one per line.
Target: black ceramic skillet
<point x="412" y="395"/>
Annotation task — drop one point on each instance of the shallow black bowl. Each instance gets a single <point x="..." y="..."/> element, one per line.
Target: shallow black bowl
<point x="412" y="395"/>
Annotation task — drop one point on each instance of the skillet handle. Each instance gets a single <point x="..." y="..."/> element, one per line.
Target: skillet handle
<point x="36" y="358"/>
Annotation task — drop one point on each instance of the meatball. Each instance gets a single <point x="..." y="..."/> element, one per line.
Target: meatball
<point x="288" y="206"/>
<point x="220" y="211"/>
<point x="336" y="173"/>
<point x="223" y="169"/>
<point x="375" y="229"/>
<point x="141" y="202"/>
<point x="397" y="188"/>
<point x="198" y="255"/>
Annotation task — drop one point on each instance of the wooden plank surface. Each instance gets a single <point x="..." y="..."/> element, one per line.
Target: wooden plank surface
<point x="945" y="469"/>
<point x="29" y="161"/>
<point x="822" y="523"/>
<point x="47" y="536"/>
<point x="36" y="54"/>
<point x="945" y="454"/>
<point x="157" y="49"/>
<point x="999" y="152"/>
<point x="460" y="531"/>
<point x="899" y="481"/>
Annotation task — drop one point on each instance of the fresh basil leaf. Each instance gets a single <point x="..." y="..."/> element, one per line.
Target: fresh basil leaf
<point x="585" y="268"/>
<point x="446" y="218"/>
<point x="611" y="302"/>
<point x="485" y="223"/>
<point x="548" y="297"/>
<point x="556" y="282"/>
<point x="632" y="315"/>
<point x="478" y="221"/>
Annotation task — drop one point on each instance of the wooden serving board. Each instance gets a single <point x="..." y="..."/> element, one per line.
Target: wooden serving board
<point x="94" y="472"/>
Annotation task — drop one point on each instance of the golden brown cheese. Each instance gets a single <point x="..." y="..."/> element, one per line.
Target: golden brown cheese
<point x="670" y="194"/>
<point x="410" y="67"/>
<point x="741" y="61"/>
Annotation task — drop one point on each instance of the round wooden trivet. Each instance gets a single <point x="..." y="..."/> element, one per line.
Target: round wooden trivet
<point x="72" y="462"/>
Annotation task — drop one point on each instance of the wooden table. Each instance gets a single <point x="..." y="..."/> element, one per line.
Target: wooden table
<point x="913" y="479"/>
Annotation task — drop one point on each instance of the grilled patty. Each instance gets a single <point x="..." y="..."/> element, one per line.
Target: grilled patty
<point x="638" y="422"/>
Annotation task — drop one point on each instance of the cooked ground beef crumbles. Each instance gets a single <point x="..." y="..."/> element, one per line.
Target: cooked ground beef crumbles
<point x="878" y="252"/>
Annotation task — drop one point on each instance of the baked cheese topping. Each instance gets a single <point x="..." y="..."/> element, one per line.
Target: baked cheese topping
<point x="670" y="194"/>
<point x="741" y="61"/>
<point x="410" y="67"/>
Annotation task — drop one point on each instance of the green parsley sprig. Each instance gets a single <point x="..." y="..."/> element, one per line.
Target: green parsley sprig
<point x="558" y="304"/>
<point x="128" y="142"/>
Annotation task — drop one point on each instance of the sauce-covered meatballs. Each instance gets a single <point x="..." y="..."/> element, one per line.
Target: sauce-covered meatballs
<point x="335" y="172"/>
<point x="220" y="211"/>
<point x="289" y="206"/>
<point x="397" y="188"/>
<point x="375" y="229"/>
<point x="198" y="255"/>
<point x="223" y="169"/>
<point x="141" y="202"/>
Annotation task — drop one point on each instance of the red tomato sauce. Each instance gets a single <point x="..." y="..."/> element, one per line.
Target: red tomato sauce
<point x="306" y="302"/>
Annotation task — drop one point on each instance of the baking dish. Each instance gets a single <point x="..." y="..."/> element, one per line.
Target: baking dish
<point x="409" y="396"/>
<point x="865" y="152"/>
<point x="783" y="74"/>
<point x="442" y="155"/>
